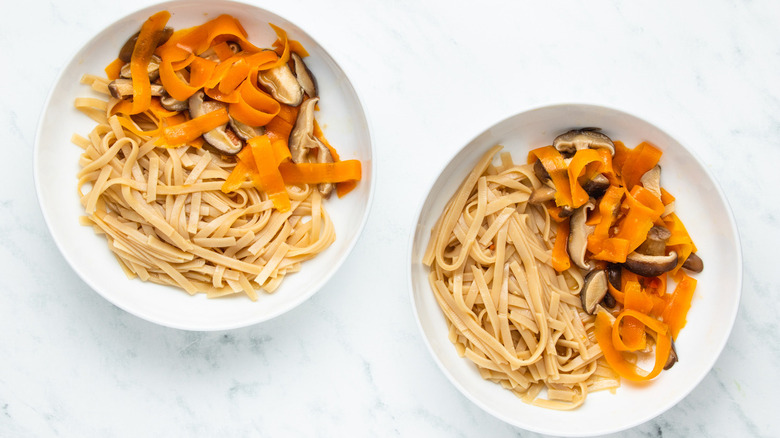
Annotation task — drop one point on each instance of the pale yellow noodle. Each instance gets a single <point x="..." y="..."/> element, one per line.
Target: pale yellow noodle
<point x="167" y="221"/>
<point x="509" y="312"/>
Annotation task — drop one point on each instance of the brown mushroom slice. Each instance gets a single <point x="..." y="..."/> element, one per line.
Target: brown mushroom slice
<point x="540" y="171"/>
<point x="650" y="265"/>
<point x="302" y="142"/>
<point x="593" y="290"/>
<point x="614" y="275"/>
<point x="282" y="84"/>
<point x="578" y="235"/>
<point x="303" y="75"/>
<point x="172" y="104"/>
<point x="693" y="263"/>
<point x="651" y="180"/>
<point x="576" y="139"/>
<point x="221" y="138"/>
<point x="541" y="195"/>
<point x="153" y="69"/>
<point x="673" y="358"/>
<point x="596" y="186"/>
<point x="244" y="131"/>
<point x="655" y="242"/>
<point x="123" y="88"/>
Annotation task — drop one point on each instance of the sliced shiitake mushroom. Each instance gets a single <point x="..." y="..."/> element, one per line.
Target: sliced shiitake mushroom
<point x="655" y="242"/>
<point x="614" y="275"/>
<point x="244" y="131"/>
<point x="576" y="139"/>
<point x="540" y="171"/>
<point x="693" y="263"/>
<point x="282" y="84"/>
<point x="123" y="88"/>
<point x="303" y="75"/>
<point x="673" y="358"/>
<point x="593" y="290"/>
<point x="578" y="234"/>
<point x="651" y="180"/>
<point x="172" y="104"/>
<point x="221" y="138"/>
<point x="650" y="258"/>
<point x="303" y="143"/>
<point x="596" y="186"/>
<point x="541" y="195"/>
<point x="152" y="70"/>
<point x="649" y="265"/>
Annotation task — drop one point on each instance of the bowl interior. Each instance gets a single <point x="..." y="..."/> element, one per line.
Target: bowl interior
<point x="700" y="204"/>
<point x="56" y="164"/>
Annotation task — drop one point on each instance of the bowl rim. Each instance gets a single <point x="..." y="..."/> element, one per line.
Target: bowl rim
<point x="245" y="322"/>
<point x="411" y="263"/>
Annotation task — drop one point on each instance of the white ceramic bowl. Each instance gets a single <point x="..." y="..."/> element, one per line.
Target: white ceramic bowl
<point x="56" y="165"/>
<point x="700" y="204"/>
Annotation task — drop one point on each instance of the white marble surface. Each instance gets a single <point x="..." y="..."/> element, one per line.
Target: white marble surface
<point x="351" y="361"/>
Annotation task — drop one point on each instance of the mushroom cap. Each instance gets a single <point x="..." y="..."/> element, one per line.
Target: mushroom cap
<point x="693" y="263"/>
<point x="540" y="171"/>
<point x="655" y="242"/>
<point x="304" y="76"/>
<point x="578" y="236"/>
<point x="651" y="180"/>
<point x="542" y="194"/>
<point x="221" y="138"/>
<point x="673" y="358"/>
<point x="302" y="141"/>
<point x="576" y="139"/>
<point x="593" y="290"/>
<point x="650" y="265"/>
<point x="596" y="186"/>
<point x="282" y="84"/>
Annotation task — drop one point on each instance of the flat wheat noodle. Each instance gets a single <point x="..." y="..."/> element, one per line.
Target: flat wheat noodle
<point x="517" y="319"/>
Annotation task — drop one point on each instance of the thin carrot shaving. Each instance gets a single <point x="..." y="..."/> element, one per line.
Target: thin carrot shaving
<point x="148" y="38"/>
<point x="560" y="257"/>
<point x="228" y="76"/>
<point x="604" y="329"/>
<point x="190" y="130"/>
<point x="266" y="175"/>
<point x="553" y="163"/>
<point x="676" y="311"/>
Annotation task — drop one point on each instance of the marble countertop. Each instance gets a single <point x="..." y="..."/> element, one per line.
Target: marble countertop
<point x="72" y="364"/>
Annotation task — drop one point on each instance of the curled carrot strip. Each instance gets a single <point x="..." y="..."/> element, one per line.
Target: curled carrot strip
<point x="315" y="173"/>
<point x="560" y="255"/>
<point x="267" y="176"/>
<point x="282" y="45"/>
<point x="553" y="163"/>
<point x="190" y="130"/>
<point x="254" y="107"/>
<point x="113" y="70"/>
<point x="237" y="176"/>
<point x="615" y="359"/>
<point x="177" y="86"/>
<point x="644" y="209"/>
<point x="608" y="209"/>
<point x="676" y="311"/>
<point x="575" y="169"/>
<point x="680" y="241"/>
<point x="198" y="39"/>
<point x="641" y="159"/>
<point x="148" y="38"/>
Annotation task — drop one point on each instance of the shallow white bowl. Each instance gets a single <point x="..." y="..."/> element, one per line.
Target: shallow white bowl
<point x="56" y="164"/>
<point x="700" y="204"/>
